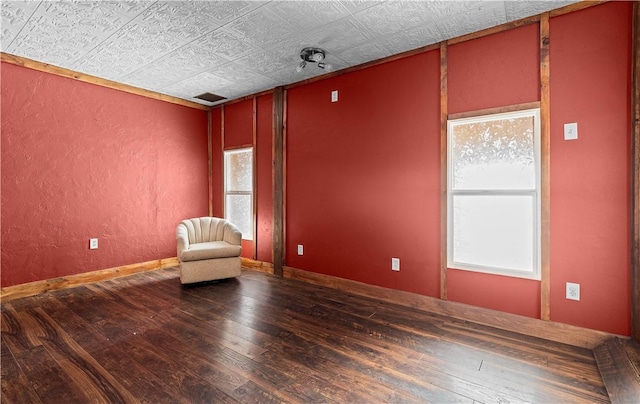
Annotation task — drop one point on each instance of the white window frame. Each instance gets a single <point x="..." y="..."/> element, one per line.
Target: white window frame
<point x="227" y="191"/>
<point x="535" y="194"/>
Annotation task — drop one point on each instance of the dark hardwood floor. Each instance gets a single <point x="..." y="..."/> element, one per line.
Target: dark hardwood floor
<point x="259" y="338"/>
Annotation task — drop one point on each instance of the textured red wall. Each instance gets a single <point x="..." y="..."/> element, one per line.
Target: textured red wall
<point x="264" y="168"/>
<point x="494" y="71"/>
<point x="238" y="132"/>
<point x="217" y="161"/>
<point x="590" y="245"/>
<point x="362" y="175"/>
<point x="81" y="161"/>
<point x="238" y="124"/>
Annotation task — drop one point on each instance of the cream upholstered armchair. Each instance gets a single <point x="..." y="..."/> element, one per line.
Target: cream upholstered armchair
<point x="208" y="248"/>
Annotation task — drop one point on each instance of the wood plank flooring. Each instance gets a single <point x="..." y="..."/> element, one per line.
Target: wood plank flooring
<point x="262" y="339"/>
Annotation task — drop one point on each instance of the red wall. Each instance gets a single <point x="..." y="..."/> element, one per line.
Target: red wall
<point x="238" y="132"/>
<point x="82" y="161"/>
<point x="488" y="72"/>
<point x="362" y="175"/>
<point x="494" y="71"/>
<point x="590" y="176"/>
<point x="217" y="161"/>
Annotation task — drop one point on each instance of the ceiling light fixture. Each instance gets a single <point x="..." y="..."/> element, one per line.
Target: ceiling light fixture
<point x="312" y="55"/>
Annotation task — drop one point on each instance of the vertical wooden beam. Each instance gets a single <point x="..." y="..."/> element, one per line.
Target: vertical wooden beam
<point x="210" y="159"/>
<point x="443" y="170"/>
<point x="635" y="175"/>
<point x="255" y="177"/>
<point x="278" y="181"/>
<point x="545" y="180"/>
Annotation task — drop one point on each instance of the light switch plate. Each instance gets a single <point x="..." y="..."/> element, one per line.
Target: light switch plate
<point x="93" y="243"/>
<point x="334" y="96"/>
<point x="300" y="249"/>
<point x="395" y="264"/>
<point x="571" y="131"/>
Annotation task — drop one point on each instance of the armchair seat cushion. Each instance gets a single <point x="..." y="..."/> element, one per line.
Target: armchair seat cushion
<point x="210" y="250"/>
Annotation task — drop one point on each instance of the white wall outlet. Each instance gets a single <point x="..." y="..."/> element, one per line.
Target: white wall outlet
<point x="93" y="243"/>
<point x="334" y="96"/>
<point x="300" y="249"/>
<point x="573" y="291"/>
<point x="571" y="131"/>
<point x="395" y="264"/>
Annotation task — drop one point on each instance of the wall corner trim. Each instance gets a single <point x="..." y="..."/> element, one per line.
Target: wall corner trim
<point x="64" y="282"/>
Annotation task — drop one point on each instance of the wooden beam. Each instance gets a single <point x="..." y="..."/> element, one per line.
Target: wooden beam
<point x="559" y="332"/>
<point x="496" y="110"/>
<point x="635" y="176"/>
<point x="35" y="288"/>
<point x="255" y="177"/>
<point x="278" y="181"/>
<point x="444" y="102"/>
<point x="86" y="78"/>
<point x="545" y="180"/>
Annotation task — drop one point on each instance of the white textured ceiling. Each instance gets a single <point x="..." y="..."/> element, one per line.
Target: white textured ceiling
<point x="235" y="48"/>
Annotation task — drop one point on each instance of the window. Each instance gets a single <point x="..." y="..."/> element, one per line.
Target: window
<point x="493" y="193"/>
<point x="238" y="190"/>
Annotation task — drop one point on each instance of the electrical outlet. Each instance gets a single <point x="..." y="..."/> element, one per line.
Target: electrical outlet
<point x="300" y="249"/>
<point x="395" y="264"/>
<point x="573" y="291"/>
<point x="93" y="243"/>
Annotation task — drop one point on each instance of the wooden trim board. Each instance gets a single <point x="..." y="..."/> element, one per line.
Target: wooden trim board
<point x="64" y="282"/>
<point x="564" y="333"/>
<point x="545" y="172"/>
<point x="259" y="266"/>
<point x="635" y="175"/>
<point x="278" y="180"/>
<point x="86" y="78"/>
<point x="444" y="110"/>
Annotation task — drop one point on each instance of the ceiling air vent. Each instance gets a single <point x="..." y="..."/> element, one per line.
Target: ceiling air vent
<point x="210" y="97"/>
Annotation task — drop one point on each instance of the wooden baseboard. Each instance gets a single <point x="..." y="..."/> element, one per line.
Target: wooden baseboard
<point x="559" y="332"/>
<point x="35" y="288"/>
<point x="259" y="266"/>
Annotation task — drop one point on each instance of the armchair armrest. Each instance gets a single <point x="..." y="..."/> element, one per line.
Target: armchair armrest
<point x="182" y="239"/>
<point x="231" y="234"/>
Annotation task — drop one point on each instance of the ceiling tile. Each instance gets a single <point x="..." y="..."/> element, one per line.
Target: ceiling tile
<point x="235" y="48"/>
<point x="14" y="15"/>
<point x="340" y="35"/>
<point x="307" y="15"/>
<point x="61" y="32"/>
<point x="520" y="9"/>
<point x="179" y="65"/>
<point x="226" y="43"/>
<point x="262" y="27"/>
<point x="196" y="85"/>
